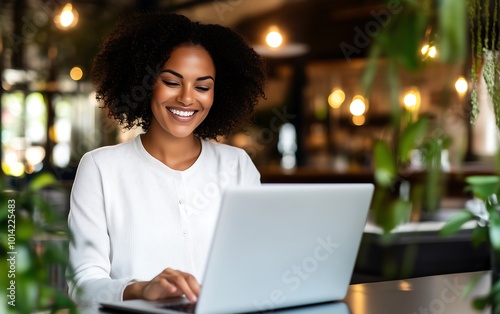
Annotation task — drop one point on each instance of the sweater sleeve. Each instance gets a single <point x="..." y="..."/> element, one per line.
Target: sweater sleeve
<point x="88" y="274"/>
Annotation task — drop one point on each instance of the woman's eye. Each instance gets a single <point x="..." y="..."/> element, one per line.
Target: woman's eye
<point x="203" y="89"/>
<point x="170" y="83"/>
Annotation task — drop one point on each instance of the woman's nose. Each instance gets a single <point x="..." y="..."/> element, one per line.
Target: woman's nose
<point x="185" y="96"/>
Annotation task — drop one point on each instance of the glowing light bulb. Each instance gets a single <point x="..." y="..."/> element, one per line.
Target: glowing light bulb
<point x="274" y="38"/>
<point x="358" y="120"/>
<point x="336" y="98"/>
<point x="429" y="51"/>
<point x="358" y="106"/>
<point x="424" y="49"/>
<point x="76" y="73"/>
<point x="432" y="52"/>
<point x="67" y="18"/>
<point x="411" y="99"/>
<point x="461" y="85"/>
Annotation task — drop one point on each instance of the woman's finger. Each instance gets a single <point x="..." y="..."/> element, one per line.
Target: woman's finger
<point x="179" y="279"/>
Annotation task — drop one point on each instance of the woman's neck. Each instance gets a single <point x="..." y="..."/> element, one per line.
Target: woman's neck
<point x="176" y="153"/>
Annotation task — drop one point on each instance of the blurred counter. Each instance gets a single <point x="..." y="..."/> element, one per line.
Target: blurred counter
<point x="453" y="181"/>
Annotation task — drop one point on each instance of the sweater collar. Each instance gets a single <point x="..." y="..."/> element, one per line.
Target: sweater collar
<point x="156" y="164"/>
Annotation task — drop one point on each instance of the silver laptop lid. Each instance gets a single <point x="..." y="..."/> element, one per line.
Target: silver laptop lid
<point x="282" y="245"/>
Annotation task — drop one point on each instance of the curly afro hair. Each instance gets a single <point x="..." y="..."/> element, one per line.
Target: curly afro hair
<point x="131" y="57"/>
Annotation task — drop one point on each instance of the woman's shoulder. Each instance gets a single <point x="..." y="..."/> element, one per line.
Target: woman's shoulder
<point x="111" y="152"/>
<point x="224" y="150"/>
<point x="232" y="158"/>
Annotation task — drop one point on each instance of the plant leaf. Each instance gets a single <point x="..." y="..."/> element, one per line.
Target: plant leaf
<point x="411" y="136"/>
<point x="456" y="222"/>
<point x="43" y="180"/>
<point x="370" y="70"/>
<point x="479" y="235"/>
<point x="480" y="303"/>
<point x="406" y="31"/>
<point x="483" y="186"/>
<point x="470" y="285"/>
<point x="385" y="165"/>
<point x="494" y="229"/>
<point x="396" y="214"/>
<point x="452" y="19"/>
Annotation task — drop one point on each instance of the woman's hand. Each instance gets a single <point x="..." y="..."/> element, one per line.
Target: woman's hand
<point x="169" y="283"/>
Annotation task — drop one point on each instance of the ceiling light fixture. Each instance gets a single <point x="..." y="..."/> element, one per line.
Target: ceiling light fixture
<point x="67" y="18"/>
<point x="278" y="47"/>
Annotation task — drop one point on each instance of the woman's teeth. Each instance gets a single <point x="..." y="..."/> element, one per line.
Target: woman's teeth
<point x="181" y="113"/>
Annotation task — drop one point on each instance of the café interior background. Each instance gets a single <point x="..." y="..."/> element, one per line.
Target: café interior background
<point x="314" y="116"/>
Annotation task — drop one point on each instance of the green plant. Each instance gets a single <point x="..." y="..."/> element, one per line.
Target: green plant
<point x="484" y="47"/>
<point x="487" y="229"/>
<point x="397" y="47"/>
<point x="28" y="223"/>
<point x="440" y="23"/>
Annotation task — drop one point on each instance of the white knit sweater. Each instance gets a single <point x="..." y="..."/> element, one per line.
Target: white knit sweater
<point x="131" y="216"/>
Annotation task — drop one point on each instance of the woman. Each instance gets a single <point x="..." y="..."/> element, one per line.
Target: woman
<point x="143" y="213"/>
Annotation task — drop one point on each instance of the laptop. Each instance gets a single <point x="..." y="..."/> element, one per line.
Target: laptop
<point x="276" y="246"/>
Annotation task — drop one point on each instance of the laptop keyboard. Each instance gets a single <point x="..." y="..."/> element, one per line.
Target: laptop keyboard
<point x="181" y="307"/>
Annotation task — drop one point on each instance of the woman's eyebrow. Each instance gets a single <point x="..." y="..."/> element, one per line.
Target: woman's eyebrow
<point x="208" y="77"/>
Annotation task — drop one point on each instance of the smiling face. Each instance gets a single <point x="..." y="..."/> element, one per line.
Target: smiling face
<point x="183" y="92"/>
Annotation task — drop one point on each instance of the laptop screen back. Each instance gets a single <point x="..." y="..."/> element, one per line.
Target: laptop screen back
<point x="282" y="245"/>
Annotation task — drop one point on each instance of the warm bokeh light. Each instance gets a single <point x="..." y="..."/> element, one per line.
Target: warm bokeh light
<point x="429" y="51"/>
<point x="461" y="85"/>
<point x="405" y="285"/>
<point x="76" y="73"/>
<point x="15" y="169"/>
<point x="358" y="120"/>
<point x="274" y="38"/>
<point x="67" y="18"/>
<point x="432" y="52"/>
<point x="424" y="49"/>
<point x="336" y="98"/>
<point x="411" y="99"/>
<point x="358" y="106"/>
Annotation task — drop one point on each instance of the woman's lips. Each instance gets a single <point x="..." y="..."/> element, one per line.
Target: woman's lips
<point x="182" y="115"/>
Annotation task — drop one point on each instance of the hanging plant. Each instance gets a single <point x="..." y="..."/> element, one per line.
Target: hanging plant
<point x="484" y="56"/>
<point x="484" y="47"/>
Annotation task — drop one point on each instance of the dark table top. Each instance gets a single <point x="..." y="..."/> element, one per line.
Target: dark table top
<point x="425" y="295"/>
